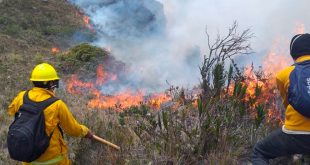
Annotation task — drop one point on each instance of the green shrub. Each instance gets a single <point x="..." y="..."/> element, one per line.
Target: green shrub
<point x="85" y="52"/>
<point x="82" y="55"/>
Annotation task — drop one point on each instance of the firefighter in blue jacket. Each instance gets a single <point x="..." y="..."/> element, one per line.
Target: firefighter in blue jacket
<point x="294" y="136"/>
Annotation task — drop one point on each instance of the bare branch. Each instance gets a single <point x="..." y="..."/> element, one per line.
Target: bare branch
<point x="225" y="48"/>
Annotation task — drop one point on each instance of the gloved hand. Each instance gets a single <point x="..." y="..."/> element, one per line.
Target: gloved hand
<point x="89" y="135"/>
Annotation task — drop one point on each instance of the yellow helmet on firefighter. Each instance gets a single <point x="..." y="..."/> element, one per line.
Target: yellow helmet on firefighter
<point x="44" y="72"/>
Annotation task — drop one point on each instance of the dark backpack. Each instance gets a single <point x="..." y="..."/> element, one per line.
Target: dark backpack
<point x="299" y="88"/>
<point x="27" y="139"/>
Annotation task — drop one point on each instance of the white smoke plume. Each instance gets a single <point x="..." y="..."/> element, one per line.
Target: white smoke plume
<point x="164" y="40"/>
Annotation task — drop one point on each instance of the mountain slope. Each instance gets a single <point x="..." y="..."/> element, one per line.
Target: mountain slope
<point x="36" y="24"/>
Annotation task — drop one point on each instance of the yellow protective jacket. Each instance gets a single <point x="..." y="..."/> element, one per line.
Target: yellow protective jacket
<point x="294" y="121"/>
<point x="57" y="113"/>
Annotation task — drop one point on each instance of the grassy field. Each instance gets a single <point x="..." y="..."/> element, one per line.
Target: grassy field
<point x="216" y="129"/>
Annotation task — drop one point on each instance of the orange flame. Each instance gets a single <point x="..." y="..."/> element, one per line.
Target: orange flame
<point x="274" y="61"/>
<point x="266" y="95"/>
<point x="100" y="75"/>
<point x="120" y="100"/>
<point x="86" y="21"/>
<point x="103" y="76"/>
<point x="75" y="86"/>
<point x="55" y="50"/>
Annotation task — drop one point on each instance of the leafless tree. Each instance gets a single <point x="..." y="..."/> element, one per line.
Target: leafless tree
<point x="222" y="49"/>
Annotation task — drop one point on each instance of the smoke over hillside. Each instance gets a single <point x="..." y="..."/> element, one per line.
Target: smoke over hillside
<point x="163" y="40"/>
<point x="136" y="32"/>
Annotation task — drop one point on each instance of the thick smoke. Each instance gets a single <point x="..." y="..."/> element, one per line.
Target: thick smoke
<point x="164" y="40"/>
<point x="136" y="32"/>
<point x="124" y="20"/>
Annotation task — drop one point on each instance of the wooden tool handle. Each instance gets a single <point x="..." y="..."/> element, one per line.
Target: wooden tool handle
<point x="99" y="139"/>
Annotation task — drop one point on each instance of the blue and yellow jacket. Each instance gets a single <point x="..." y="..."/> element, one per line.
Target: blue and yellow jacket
<point x="294" y="121"/>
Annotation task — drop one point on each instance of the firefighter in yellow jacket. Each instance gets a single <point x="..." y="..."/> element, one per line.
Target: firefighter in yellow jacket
<point x="57" y="116"/>
<point x="294" y="136"/>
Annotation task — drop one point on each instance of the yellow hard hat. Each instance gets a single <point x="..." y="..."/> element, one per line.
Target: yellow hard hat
<point x="44" y="72"/>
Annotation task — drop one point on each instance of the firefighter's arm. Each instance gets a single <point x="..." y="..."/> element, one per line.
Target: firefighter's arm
<point x="68" y="122"/>
<point x="15" y="104"/>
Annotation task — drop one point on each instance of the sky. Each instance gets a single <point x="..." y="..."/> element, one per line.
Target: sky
<point x="164" y="40"/>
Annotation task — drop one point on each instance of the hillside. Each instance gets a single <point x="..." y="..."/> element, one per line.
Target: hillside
<point x="37" y="25"/>
<point x="28" y="32"/>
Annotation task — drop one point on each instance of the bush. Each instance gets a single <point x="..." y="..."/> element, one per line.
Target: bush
<point x="81" y="56"/>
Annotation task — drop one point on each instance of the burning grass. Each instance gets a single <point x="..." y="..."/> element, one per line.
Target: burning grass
<point x="177" y="133"/>
<point x="182" y="127"/>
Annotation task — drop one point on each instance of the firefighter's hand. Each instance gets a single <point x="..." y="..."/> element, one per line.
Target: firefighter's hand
<point x="89" y="135"/>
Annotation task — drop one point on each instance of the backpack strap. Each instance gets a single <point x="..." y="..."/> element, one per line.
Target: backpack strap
<point x="41" y="105"/>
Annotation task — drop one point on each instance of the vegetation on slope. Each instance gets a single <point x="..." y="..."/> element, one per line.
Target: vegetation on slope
<point x="36" y="24"/>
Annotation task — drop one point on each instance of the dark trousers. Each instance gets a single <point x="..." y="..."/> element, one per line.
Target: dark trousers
<point x="280" y="144"/>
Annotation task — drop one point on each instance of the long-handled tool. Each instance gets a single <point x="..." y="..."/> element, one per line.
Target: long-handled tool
<point x="99" y="139"/>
